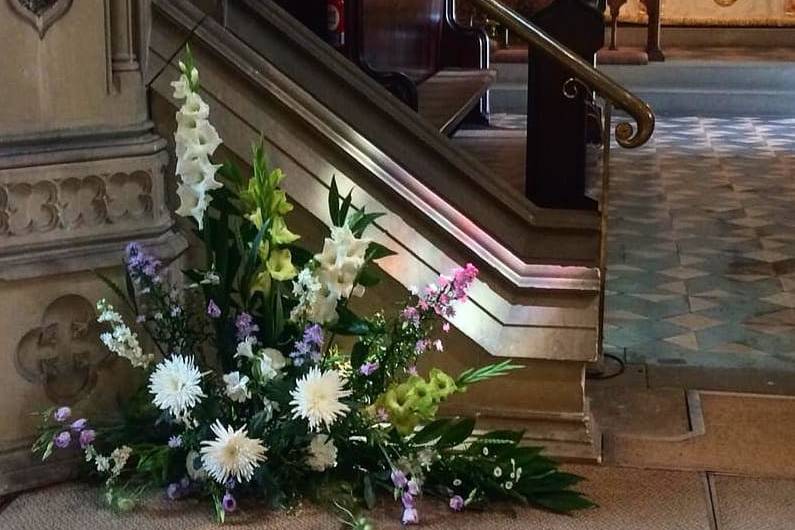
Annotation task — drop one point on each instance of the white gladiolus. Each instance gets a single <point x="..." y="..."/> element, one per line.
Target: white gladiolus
<point x="196" y="140"/>
<point x="339" y="264"/>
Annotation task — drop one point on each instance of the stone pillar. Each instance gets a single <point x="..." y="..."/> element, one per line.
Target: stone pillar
<point x="81" y="174"/>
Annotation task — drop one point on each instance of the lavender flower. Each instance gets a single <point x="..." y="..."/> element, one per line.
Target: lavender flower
<point x="229" y="503"/>
<point x="87" y="437"/>
<point x="399" y="478"/>
<point x="410" y="516"/>
<point x="245" y="326"/>
<point x="309" y="345"/>
<point x="79" y="425"/>
<point x="173" y="491"/>
<point x="407" y="499"/>
<point x="456" y="503"/>
<point x="175" y="441"/>
<point x="413" y="487"/>
<point x="63" y="439"/>
<point x="368" y="368"/>
<point x="62" y="414"/>
<point x="213" y="311"/>
<point x="313" y="334"/>
<point x="140" y="264"/>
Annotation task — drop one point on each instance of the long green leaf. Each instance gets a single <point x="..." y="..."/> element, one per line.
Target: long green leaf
<point x="334" y="201"/>
<point x="457" y="433"/>
<point x="431" y="432"/>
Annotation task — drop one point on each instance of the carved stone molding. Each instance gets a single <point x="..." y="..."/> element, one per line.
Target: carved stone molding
<point x="83" y="202"/>
<point x="73" y="203"/>
<point x="41" y="14"/>
<point x="64" y="352"/>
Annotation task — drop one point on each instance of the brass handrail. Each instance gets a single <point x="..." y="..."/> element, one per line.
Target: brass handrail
<point x="583" y="72"/>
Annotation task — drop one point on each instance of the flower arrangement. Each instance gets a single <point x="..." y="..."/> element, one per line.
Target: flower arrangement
<point x="262" y="383"/>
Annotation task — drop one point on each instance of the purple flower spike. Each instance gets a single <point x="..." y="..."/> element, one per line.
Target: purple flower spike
<point x="407" y="499"/>
<point x="456" y="503"/>
<point x="410" y="516"/>
<point x="173" y="491"/>
<point x="367" y="369"/>
<point x="245" y="326"/>
<point x="229" y="503"/>
<point x="399" y="478"/>
<point x="62" y="414"/>
<point x="63" y="439"/>
<point x="79" y="425"/>
<point x="213" y="311"/>
<point x="87" y="437"/>
<point x="314" y="334"/>
<point x="413" y="487"/>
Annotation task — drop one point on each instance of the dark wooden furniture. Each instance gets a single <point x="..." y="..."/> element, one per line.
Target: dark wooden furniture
<point x="653" y="47"/>
<point x="423" y="56"/>
<point x="653" y="28"/>
<point x="417" y="50"/>
<point x="560" y="111"/>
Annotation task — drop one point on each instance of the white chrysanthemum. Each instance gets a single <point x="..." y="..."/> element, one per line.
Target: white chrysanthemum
<point x="121" y="340"/>
<point x="232" y="454"/>
<point x="322" y="453"/>
<point x="237" y="387"/>
<point x="316" y="398"/>
<point x="175" y="385"/>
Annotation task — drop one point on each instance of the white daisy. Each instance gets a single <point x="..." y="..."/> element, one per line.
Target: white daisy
<point x="175" y="385"/>
<point x="316" y="398"/>
<point x="322" y="453"/>
<point x="237" y="387"/>
<point x="232" y="454"/>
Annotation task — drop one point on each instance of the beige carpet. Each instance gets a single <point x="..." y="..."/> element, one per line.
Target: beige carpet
<point x="629" y="499"/>
<point x="746" y="434"/>
<point x="757" y="504"/>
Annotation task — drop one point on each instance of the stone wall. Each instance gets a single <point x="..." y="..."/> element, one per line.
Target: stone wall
<point x="81" y="174"/>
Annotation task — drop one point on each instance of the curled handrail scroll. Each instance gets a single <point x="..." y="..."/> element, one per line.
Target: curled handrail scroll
<point x="582" y="72"/>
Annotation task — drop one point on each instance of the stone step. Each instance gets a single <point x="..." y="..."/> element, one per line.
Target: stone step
<point x="679" y="87"/>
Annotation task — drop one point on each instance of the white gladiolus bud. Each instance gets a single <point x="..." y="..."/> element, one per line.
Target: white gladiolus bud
<point x="196" y="140"/>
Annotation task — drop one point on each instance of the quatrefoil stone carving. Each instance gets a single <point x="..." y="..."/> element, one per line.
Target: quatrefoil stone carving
<point x="41" y="14"/>
<point x="64" y="352"/>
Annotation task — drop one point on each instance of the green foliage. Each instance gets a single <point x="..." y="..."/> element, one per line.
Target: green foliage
<point x="484" y="373"/>
<point x="247" y="380"/>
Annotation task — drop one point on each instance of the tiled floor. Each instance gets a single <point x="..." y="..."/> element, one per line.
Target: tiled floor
<point x="702" y="244"/>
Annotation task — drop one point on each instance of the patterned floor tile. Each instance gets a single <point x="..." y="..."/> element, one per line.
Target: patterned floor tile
<point x="701" y="244"/>
<point x="735" y="254"/>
